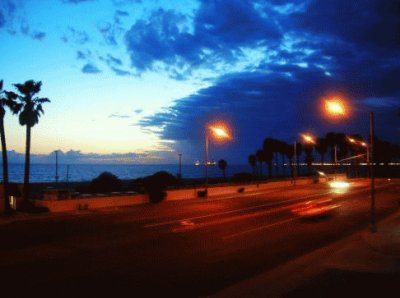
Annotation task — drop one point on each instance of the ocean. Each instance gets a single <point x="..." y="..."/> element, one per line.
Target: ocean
<point x="87" y="172"/>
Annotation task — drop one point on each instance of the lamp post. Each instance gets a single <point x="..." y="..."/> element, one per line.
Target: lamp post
<point x="219" y="132"/>
<point x="56" y="177"/>
<point x="337" y="108"/>
<point x="371" y="170"/>
<point x="295" y="162"/>
<point x="180" y="165"/>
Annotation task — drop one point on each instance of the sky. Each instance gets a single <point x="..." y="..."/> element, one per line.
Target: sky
<point x="137" y="81"/>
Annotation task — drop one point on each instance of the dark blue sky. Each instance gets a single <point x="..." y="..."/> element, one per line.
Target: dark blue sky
<point x="263" y="66"/>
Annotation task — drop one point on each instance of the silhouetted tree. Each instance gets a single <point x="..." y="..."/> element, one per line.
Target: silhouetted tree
<point x="322" y="147"/>
<point x="260" y="159"/>
<point x="299" y="150"/>
<point x="31" y="110"/>
<point x="332" y="141"/>
<point x="268" y="149"/>
<point x="280" y="148"/>
<point x="222" y="164"/>
<point x="252" y="159"/>
<point x="289" y="152"/>
<point x="7" y="100"/>
<point x="308" y="150"/>
<point x="105" y="182"/>
<point x="156" y="184"/>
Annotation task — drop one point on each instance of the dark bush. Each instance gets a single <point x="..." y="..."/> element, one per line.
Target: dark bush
<point x="156" y="184"/>
<point x="242" y="177"/>
<point x="240" y="189"/>
<point x="105" y="182"/>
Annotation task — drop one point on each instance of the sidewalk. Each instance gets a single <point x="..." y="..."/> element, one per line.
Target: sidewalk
<point x="364" y="263"/>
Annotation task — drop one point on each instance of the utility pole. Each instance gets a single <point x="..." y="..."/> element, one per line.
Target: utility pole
<point x="180" y="165"/>
<point x="295" y="162"/>
<point x="56" y="152"/>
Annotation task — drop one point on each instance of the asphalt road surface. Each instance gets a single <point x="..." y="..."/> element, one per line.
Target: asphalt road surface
<point x="177" y="249"/>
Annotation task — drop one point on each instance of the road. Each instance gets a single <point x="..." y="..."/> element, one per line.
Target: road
<point x="181" y="249"/>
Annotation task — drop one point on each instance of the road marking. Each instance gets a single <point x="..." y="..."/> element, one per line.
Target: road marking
<point x="177" y="221"/>
<point x="259" y="228"/>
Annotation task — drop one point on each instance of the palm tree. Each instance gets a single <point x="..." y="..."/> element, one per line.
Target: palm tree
<point x="268" y="150"/>
<point x="7" y="99"/>
<point x="222" y="165"/>
<point x="31" y="110"/>
<point x="260" y="159"/>
<point x="299" y="150"/>
<point x="322" y="147"/>
<point x="289" y="152"/>
<point x="332" y="142"/>
<point x="252" y="159"/>
<point x="308" y="150"/>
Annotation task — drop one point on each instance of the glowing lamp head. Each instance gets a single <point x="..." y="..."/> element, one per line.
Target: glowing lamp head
<point x="351" y="140"/>
<point x="220" y="132"/>
<point x="308" y="138"/>
<point x="335" y="107"/>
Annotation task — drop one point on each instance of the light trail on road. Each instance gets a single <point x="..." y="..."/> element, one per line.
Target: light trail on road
<point x="259" y="228"/>
<point x="177" y="221"/>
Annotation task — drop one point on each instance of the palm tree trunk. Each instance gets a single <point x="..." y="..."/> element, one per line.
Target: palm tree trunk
<point x="5" y="167"/>
<point x="27" y="164"/>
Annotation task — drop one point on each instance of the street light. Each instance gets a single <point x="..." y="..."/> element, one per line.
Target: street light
<point x="360" y="143"/>
<point x="308" y="138"/>
<point x="218" y="132"/>
<point x="336" y="107"/>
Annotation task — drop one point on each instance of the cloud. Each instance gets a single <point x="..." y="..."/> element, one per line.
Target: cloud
<point x="279" y="103"/>
<point x="7" y="13"/>
<point x="121" y="13"/>
<point x="373" y="23"/>
<point x="83" y="55"/>
<point x="124" y="2"/>
<point x="215" y="34"/>
<point x="120" y="72"/>
<point x="115" y="64"/>
<point x="2" y="19"/>
<point x="120" y="116"/>
<point x="138" y="111"/>
<point x="76" y="36"/>
<point x="109" y="32"/>
<point x="77" y="157"/>
<point x="90" y="68"/>
<point x="76" y="1"/>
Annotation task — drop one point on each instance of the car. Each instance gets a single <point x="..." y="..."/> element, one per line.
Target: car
<point x="315" y="208"/>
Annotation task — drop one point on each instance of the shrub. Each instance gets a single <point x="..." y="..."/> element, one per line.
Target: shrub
<point x="105" y="182"/>
<point x="156" y="184"/>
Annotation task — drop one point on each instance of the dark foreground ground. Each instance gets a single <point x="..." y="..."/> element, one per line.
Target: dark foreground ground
<point x="246" y="245"/>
